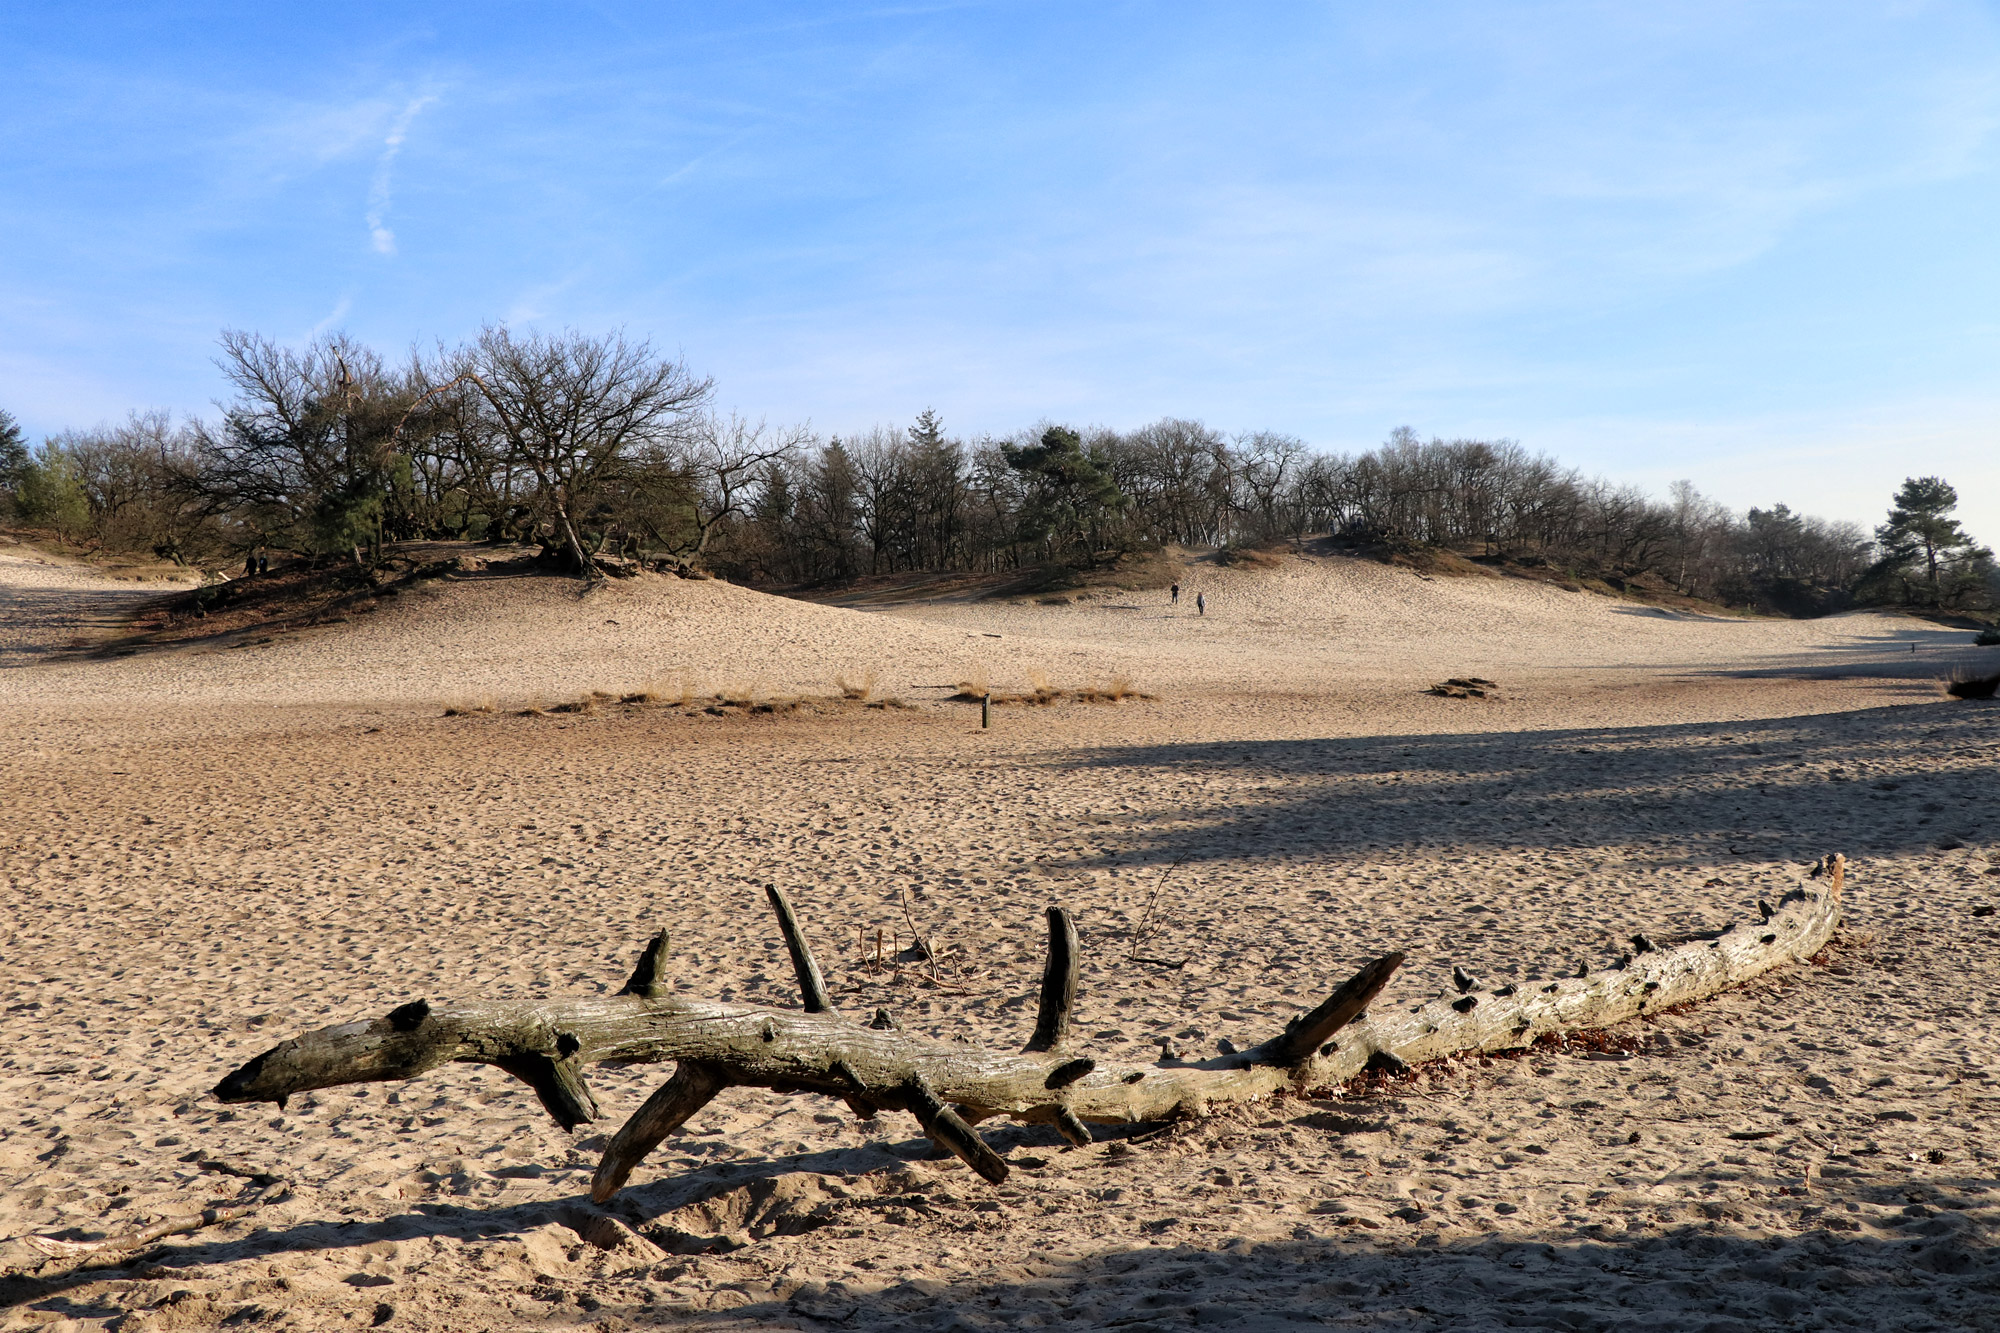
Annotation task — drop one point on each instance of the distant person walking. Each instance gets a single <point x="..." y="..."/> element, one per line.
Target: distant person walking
<point x="1176" y="591"/>
<point x="1201" y="603"/>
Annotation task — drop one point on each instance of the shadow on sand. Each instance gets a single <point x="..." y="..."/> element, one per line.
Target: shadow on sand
<point x="1884" y="780"/>
<point x="1917" y="1255"/>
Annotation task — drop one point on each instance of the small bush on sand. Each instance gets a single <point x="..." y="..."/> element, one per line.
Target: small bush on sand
<point x="974" y="689"/>
<point x="480" y="709"/>
<point x="862" y="689"/>
<point x="1988" y="637"/>
<point x="1249" y="557"/>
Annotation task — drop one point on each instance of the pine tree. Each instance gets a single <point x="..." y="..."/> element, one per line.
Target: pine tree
<point x="1921" y="543"/>
<point x="1071" y="491"/>
<point x="13" y="451"/>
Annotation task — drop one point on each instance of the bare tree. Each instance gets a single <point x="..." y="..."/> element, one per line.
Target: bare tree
<point x="303" y="453"/>
<point x="133" y="477"/>
<point x="1268" y="475"/>
<point x="578" y="413"/>
<point x="706" y="479"/>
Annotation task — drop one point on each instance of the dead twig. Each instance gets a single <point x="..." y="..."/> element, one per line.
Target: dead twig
<point x="115" y="1250"/>
<point x="1151" y="923"/>
<point x="927" y="949"/>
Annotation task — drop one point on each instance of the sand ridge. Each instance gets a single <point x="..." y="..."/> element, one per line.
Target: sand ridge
<point x="1312" y="625"/>
<point x="190" y="880"/>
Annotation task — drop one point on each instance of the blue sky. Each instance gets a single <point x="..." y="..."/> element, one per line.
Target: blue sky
<point x="1749" y="244"/>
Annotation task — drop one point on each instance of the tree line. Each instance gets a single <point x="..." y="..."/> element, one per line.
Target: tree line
<point x="597" y="447"/>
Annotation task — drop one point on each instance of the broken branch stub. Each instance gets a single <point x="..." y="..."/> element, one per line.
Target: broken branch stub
<point x="1058" y="984"/>
<point x="950" y="1086"/>
<point x="812" y="988"/>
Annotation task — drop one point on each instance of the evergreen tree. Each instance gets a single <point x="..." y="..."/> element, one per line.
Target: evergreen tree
<point x="1923" y="545"/>
<point x="13" y="452"/>
<point x="938" y="486"/>
<point x="1071" y="491"/>
<point x="50" y="494"/>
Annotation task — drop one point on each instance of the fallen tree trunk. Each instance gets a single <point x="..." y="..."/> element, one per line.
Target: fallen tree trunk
<point x="950" y="1086"/>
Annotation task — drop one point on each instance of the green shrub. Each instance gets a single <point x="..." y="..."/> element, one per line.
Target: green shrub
<point x="48" y="493"/>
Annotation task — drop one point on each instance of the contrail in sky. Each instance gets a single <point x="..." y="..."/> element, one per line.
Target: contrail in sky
<point x="378" y="189"/>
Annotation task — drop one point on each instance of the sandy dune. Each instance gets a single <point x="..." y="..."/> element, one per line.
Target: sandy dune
<point x="1314" y="627"/>
<point x="209" y="849"/>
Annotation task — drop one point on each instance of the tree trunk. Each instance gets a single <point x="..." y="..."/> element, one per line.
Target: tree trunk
<point x="950" y="1086"/>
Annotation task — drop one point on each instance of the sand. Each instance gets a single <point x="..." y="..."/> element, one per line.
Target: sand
<point x="211" y="848"/>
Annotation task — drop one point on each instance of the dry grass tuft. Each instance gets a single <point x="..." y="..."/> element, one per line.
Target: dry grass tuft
<point x="1965" y="683"/>
<point x="737" y="696"/>
<point x="483" y="708"/>
<point x="1042" y="692"/>
<point x="862" y="689"/>
<point x="1116" y="690"/>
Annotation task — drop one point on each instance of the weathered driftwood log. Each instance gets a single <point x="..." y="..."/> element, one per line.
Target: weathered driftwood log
<point x="949" y="1086"/>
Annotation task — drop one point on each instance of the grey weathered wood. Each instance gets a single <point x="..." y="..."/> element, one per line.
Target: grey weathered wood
<point x="1307" y="1032"/>
<point x="820" y="1052"/>
<point x="812" y="989"/>
<point x="557" y="1080"/>
<point x="114" y="1250"/>
<point x="1058" y="984"/>
<point x="1072" y="1128"/>
<point x="949" y="1131"/>
<point x="645" y="979"/>
<point x="693" y="1086"/>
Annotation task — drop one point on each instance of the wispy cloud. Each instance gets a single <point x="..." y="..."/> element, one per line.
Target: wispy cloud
<point x="333" y="316"/>
<point x="383" y="239"/>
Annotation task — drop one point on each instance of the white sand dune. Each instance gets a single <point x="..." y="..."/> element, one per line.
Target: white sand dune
<point x="211" y="848"/>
